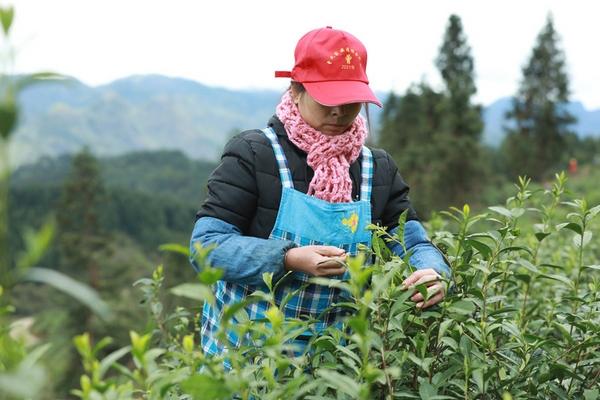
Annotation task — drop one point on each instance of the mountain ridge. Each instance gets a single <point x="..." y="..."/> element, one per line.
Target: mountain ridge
<point x="153" y="112"/>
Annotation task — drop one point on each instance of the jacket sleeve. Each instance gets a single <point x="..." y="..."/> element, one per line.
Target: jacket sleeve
<point x="398" y="200"/>
<point x="424" y="253"/>
<point x="232" y="191"/>
<point x="243" y="259"/>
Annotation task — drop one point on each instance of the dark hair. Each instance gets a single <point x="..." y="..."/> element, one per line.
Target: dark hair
<point x="299" y="87"/>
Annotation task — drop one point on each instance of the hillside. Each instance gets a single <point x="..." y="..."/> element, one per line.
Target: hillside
<point x="150" y="196"/>
<point x="136" y="113"/>
<point x="154" y="112"/>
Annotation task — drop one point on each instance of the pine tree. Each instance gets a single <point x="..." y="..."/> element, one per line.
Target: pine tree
<point x="458" y="142"/>
<point x="82" y="248"/>
<point x="456" y="65"/>
<point x="408" y="129"/>
<point x="539" y="114"/>
<point x="435" y="136"/>
<point x="80" y="235"/>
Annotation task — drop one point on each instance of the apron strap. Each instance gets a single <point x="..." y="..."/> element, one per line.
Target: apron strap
<point x="284" y="171"/>
<point x="366" y="182"/>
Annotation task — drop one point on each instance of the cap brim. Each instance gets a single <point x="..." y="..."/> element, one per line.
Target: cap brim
<point x="335" y="93"/>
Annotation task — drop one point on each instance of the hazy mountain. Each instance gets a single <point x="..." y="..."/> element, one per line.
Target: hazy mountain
<point x="154" y="112"/>
<point x="137" y="113"/>
<point x="588" y="121"/>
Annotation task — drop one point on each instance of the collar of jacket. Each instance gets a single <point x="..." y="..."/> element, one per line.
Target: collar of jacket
<point x="277" y="126"/>
<point x="355" y="172"/>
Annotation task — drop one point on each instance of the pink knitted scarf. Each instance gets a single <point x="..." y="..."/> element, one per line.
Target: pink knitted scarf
<point x="329" y="156"/>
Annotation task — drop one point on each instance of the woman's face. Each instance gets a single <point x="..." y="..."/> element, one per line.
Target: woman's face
<point x="328" y="120"/>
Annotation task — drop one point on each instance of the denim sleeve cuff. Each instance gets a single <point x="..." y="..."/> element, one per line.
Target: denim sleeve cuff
<point x="423" y="253"/>
<point x="279" y="270"/>
<point x="243" y="259"/>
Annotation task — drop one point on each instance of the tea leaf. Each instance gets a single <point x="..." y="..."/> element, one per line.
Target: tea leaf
<point x="571" y="226"/>
<point x="540" y="236"/>
<point x="206" y="387"/>
<point x="194" y="291"/>
<point x="591" y="394"/>
<point x="209" y="275"/>
<point x="582" y="240"/>
<point x="73" y="288"/>
<point x="111" y="359"/>
<point x="462" y="307"/>
<point x="427" y="390"/>
<point x="6" y="17"/>
<point x="502" y="211"/>
<point x="483" y="248"/>
<point x="175" y="248"/>
<point x="339" y="382"/>
<point x="559" y="278"/>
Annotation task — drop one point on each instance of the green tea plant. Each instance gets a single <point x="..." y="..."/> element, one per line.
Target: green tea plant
<point x="520" y="321"/>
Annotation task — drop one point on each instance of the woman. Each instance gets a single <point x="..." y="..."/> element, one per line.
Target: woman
<point x="298" y="195"/>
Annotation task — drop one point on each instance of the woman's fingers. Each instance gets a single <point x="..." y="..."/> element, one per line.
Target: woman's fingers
<point x="330" y="271"/>
<point x="329" y="251"/>
<point x="431" y="290"/>
<point x="331" y="266"/>
<point x="414" y="278"/>
<point x="316" y="260"/>
<point x="332" y="262"/>
<point x="434" y="300"/>
<point x="425" y="279"/>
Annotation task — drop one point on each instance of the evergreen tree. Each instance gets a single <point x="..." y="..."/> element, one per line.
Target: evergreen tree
<point x="459" y="142"/>
<point x="456" y="65"/>
<point x="81" y="248"/>
<point x="408" y="130"/>
<point x="80" y="237"/>
<point x="541" y="120"/>
<point x="435" y="136"/>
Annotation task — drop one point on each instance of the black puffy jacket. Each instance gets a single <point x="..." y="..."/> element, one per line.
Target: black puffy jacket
<point x="245" y="189"/>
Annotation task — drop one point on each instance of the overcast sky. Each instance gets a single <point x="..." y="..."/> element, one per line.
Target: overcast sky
<point x="238" y="44"/>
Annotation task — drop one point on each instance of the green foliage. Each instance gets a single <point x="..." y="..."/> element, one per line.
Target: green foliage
<point x="131" y="215"/>
<point x="6" y="17"/>
<point x="62" y="282"/>
<point x="21" y="372"/>
<point x="408" y="130"/>
<point x="435" y="137"/>
<point x="585" y="150"/>
<point x="456" y="64"/>
<point x="81" y="239"/>
<point x="168" y="185"/>
<point x="539" y="110"/>
<point x="520" y="321"/>
<point x="458" y="141"/>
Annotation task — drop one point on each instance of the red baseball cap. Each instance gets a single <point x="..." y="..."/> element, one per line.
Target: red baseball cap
<point x="331" y="64"/>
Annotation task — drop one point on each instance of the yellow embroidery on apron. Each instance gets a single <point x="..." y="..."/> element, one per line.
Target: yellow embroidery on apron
<point x="351" y="222"/>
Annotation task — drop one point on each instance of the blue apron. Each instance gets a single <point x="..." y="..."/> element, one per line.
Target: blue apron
<point x="305" y="220"/>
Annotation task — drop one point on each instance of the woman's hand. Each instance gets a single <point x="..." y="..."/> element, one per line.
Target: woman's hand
<point x="315" y="260"/>
<point x="436" y="289"/>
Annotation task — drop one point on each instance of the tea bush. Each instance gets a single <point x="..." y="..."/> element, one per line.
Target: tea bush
<point x="521" y="321"/>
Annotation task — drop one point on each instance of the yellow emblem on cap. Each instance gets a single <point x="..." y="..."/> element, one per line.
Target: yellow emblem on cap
<point x="347" y="57"/>
<point x="351" y="222"/>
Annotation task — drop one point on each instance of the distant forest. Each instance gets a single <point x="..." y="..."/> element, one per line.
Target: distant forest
<point x="151" y="196"/>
